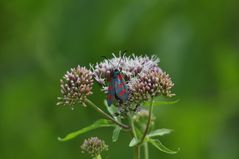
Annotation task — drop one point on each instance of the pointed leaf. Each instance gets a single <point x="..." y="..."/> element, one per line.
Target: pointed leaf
<point x="158" y="103"/>
<point x="161" y="147"/>
<point x="95" y="125"/>
<point x="133" y="142"/>
<point x="116" y="133"/>
<point x="159" y="132"/>
<point x="166" y="102"/>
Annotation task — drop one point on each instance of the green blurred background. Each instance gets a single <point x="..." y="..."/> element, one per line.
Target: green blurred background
<point x="197" y="42"/>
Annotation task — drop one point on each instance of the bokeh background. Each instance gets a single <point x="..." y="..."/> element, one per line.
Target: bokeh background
<point x="198" y="45"/>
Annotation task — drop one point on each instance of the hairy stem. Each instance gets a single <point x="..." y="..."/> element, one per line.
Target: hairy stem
<point x="126" y="127"/>
<point x="146" y="150"/>
<point x="148" y="123"/>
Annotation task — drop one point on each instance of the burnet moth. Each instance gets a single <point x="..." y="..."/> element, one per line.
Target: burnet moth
<point x="117" y="88"/>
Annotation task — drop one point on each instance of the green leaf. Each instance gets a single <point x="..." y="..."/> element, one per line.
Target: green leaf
<point x="116" y="133"/>
<point x="161" y="147"/>
<point x="159" y="132"/>
<point x="158" y="103"/>
<point x="166" y="102"/>
<point x="98" y="124"/>
<point x="133" y="142"/>
<point x="112" y="109"/>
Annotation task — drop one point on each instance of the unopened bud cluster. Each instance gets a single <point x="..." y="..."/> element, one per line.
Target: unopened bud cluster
<point x="150" y="84"/>
<point x="76" y="85"/>
<point x="94" y="146"/>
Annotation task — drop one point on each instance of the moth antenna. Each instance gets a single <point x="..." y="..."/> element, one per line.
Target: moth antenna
<point x="108" y="60"/>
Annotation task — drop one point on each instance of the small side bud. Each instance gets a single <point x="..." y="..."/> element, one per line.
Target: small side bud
<point x="94" y="146"/>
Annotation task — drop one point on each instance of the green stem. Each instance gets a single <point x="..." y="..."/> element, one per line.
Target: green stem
<point x="146" y="150"/>
<point x="137" y="152"/>
<point x="97" y="157"/>
<point x="132" y="126"/>
<point x="148" y="123"/>
<point x="133" y="133"/>
<point x="126" y="127"/>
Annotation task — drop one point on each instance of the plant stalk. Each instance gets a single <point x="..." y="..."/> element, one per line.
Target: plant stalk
<point x="126" y="127"/>
<point x="148" y="123"/>
<point x="133" y="134"/>
<point x="132" y="126"/>
<point x="97" y="157"/>
<point x="146" y="150"/>
<point x="137" y="152"/>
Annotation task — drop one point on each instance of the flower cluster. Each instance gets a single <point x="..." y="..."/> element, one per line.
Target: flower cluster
<point x="129" y="82"/>
<point x="129" y="66"/>
<point x="148" y="85"/>
<point x="143" y="77"/>
<point x="76" y="85"/>
<point x="94" y="146"/>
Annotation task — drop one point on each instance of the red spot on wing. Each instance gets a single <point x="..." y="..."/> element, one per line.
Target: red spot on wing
<point x="120" y="77"/>
<point x="122" y="92"/>
<point x="110" y="88"/>
<point x="109" y="97"/>
<point x="120" y="85"/>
